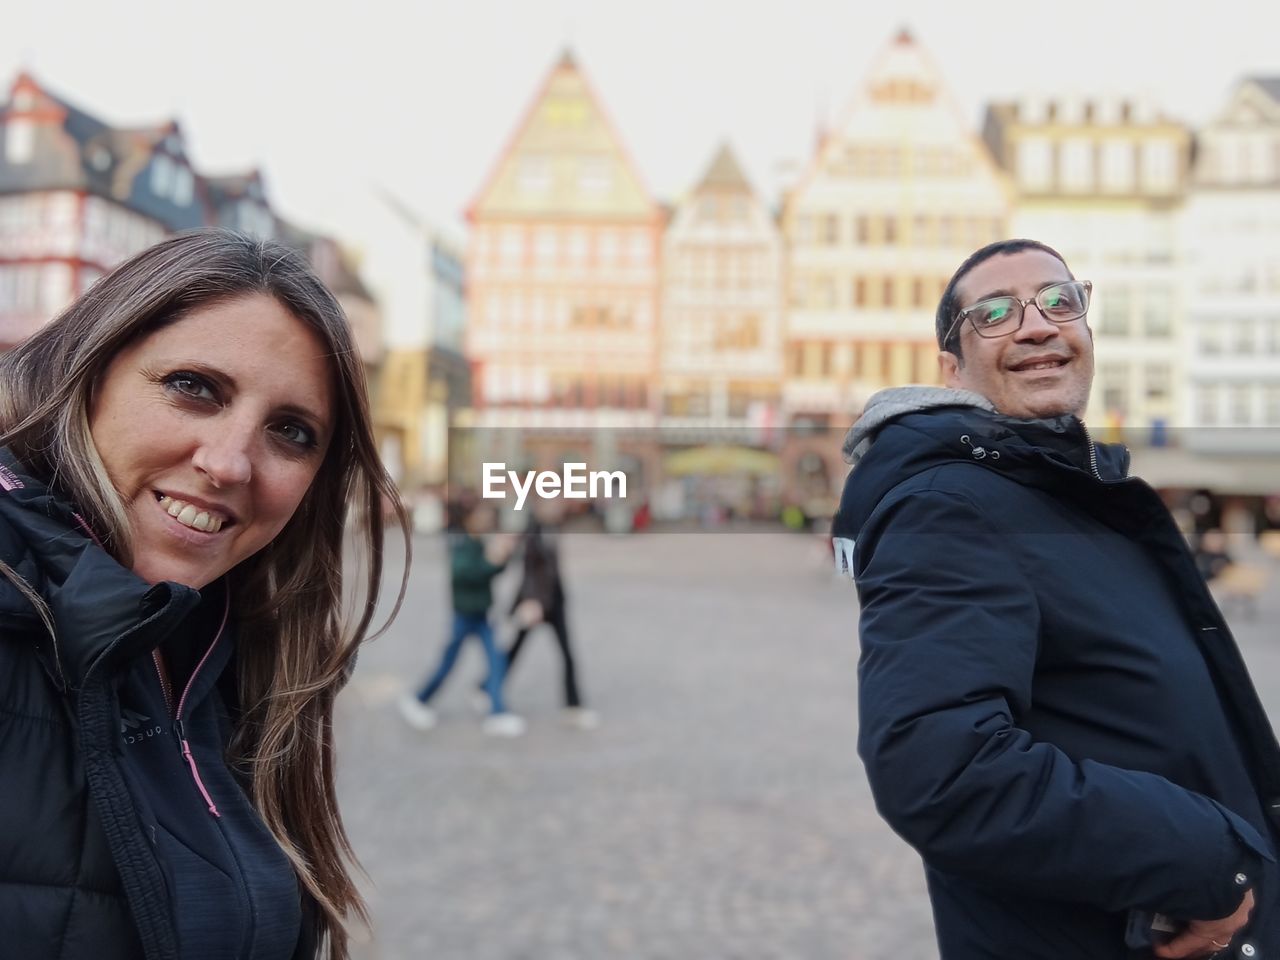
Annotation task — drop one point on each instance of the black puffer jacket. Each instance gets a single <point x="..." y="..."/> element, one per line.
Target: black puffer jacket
<point x="111" y="771"/>
<point x="1052" y="709"/>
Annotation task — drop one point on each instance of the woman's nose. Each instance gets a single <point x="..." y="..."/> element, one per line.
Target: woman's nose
<point x="224" y="458"/>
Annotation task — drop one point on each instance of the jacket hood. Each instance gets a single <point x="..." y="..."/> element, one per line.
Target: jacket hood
<point x="913" y="429"/>
<point x="888" y="405"/>
<point x="94" y="600"/>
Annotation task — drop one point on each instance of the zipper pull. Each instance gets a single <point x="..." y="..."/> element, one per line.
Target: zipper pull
<point x="195" y="771"/>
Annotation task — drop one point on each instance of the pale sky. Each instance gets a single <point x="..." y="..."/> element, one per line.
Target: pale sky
<point x="333" y="100"/>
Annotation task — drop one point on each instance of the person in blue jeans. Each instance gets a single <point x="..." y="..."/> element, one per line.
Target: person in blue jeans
<point x="473" y="564"/>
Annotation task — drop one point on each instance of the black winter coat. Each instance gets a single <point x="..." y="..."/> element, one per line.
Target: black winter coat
<point x="109" y="846"/>
<point x="1053" y="711"/>
<point x="540" y="579"/>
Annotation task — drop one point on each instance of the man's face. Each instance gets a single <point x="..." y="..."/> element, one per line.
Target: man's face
<point x="1044" y="369"/>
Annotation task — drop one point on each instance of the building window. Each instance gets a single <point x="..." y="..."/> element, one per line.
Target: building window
<point x="890" y="230"/>
<point x="161" y="175"/>
<point x="1159" y="380"/>
<point x="812" y="368"/>
<point x="863" y="227"/>
<point x="1114" y="380"/>
<point x="607" y="247"/>
<point x="1035" y="163"/>
<point x="19" y="140"/>
<point x="830" y="230"/>
<point x="638" y="249"/>
<point x="1157" y="313"/>
<point x="886" y="291"/>
<point x="859" y="291"/>
<point x="1239" y="401"/>
<point x="799" y="292"/>
<point x="1271" y="404"/>
<point x="824" y="293"/>
<point x="577" y="246"/>
<point x="533" y="175"/>
<point x="1117" y="166"/>
<point x="1077" y="165"/>
<point x="1210" y="339"/>
<point x="544" y="245"/>
<point x="795" y="360"/>
<point x="1271" y="336"/>
<point x="1208" y="400"/>
<point x="595" y="176"/>
<point x="183" y="187"/>
<point x="917" y="292"/>
<point x="920" y="231"/>
<point x="1116" y="307"/>
<point x="1159" y="167"/>
<point x="737" y="333"/>
<point x="1243" y="339"/>
<point x="511" y="245"/>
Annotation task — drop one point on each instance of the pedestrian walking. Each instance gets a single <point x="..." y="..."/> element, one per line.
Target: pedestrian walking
<point x="540" y="601"/>
<point x="474" y="562"/>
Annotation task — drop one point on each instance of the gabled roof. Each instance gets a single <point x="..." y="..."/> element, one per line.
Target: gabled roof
<point x="724" y="173"/>
<point x="73" y="150"/>
<point x="228" y="187"/>
<point x="902" y="73"/>
<point x="1270" y="85"/>
<point x="564" y="131"/>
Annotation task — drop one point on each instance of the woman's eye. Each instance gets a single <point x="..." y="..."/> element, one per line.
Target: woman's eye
<point x="189" y="386"/>
<point x="296" y="433"/>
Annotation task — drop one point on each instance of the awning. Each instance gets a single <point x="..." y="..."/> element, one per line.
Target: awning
<point x="1221" y="473"/>
<point x="720" y="460"/>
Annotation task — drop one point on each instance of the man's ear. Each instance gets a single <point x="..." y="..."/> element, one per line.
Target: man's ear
<point x="950" y="365"/>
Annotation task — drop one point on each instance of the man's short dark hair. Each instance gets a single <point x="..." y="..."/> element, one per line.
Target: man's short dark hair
<point x="949" y="306"/>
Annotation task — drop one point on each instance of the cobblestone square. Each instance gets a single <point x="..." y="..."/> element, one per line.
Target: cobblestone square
<point x="718" y="813"/>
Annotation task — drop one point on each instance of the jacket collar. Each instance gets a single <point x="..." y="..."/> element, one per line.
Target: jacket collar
<point x="937" y="427"/>
<point x="105" y="613"/>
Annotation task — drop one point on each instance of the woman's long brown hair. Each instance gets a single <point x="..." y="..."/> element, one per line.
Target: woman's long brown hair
<point x="296" y="645"/>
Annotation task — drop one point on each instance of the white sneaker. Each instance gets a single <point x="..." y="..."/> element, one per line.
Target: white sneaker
<point x="503" y="725"/>
<point x="416" y="713"/>
<point x="581" y="717"/>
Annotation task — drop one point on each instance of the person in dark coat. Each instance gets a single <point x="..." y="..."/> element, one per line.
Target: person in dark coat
<point x="177" y="452"/>
<point x="1053" y="711"/>
<point x="540" y="599"/>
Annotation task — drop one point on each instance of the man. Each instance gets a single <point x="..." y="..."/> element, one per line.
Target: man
<point x="1052" y="709"/>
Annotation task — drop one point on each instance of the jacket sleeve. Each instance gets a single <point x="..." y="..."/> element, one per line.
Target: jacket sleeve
<point x="949" y="632"/>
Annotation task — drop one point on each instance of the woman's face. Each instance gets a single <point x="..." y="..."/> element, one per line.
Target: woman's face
<point x="212" y="429"/>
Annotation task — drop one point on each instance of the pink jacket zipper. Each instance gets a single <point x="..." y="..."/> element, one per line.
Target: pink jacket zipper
<point x="10" y="482"/>
<point x="167" y="688"/>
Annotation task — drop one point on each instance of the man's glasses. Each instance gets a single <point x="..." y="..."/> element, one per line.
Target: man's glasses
<point x="1001" y="316"/>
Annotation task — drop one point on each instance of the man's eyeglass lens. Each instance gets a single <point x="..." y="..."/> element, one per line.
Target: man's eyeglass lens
<point x="1059" y="302"/>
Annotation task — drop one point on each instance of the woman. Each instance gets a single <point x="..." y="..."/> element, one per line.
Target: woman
<point x="178" y="451"/>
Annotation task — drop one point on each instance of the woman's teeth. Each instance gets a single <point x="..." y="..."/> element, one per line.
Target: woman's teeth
<point x="191" y="516"/>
